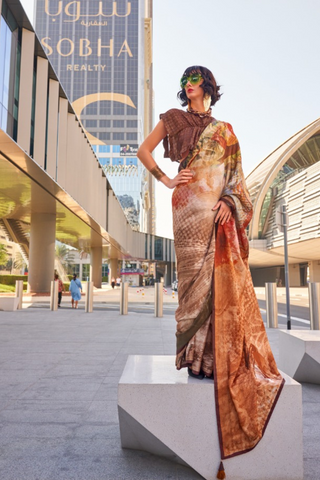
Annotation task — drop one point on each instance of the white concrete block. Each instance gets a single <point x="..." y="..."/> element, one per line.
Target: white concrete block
<point x="9" y="304"/>
<point x="165" y="412"/>
<point x="300" y="354"/>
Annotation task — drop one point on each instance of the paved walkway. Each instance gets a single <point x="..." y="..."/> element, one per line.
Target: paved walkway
<point x="58" y="396"/>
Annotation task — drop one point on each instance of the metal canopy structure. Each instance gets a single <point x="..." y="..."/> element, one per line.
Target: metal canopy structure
<point x="290" y="175"/>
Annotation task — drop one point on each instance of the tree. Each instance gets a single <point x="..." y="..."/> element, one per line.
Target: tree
<point x="3" y="255"/>
<point x="10" y="265"/>
<point x="65" y="255"/>
<point x="19" y="262"/>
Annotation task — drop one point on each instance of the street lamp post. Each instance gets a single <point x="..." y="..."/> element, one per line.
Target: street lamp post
<point x="286" y="262"/>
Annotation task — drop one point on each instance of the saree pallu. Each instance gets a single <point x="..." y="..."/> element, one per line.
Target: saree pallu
<point x="219" y="327"/>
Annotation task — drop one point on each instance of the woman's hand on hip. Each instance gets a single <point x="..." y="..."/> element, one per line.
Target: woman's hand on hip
<point x="184" y="176"/>
<point x="224" y="212"/>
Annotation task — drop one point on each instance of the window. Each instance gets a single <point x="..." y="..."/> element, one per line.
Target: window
<point x="131" y="161"/>
<point x="118" y="109"/>
<point x="90" y="123"/>
<point x="116" y="148"/>
<point x="104" y="136"/>
<point x="104" y="148"/>
<point x="74" y="269"/>
<point x="158" y="248"/>
<point x="105" y="123"/>
<point x="105" y="269"/>
<point x="10" y="53"/>
<point x="85" y="271"/>
<point x="131" y="136"/>
<point x="104" y="161"/>
<point x="132" y="124"/>
<point x="118" y="136"/>
<point x="118" y="161"/>
<point x="118" y="123"/>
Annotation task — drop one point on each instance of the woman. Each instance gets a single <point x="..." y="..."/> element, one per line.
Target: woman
<point x="220" y="332"/>
<point x="60" y="288"/>
<point x="75" y="289"/>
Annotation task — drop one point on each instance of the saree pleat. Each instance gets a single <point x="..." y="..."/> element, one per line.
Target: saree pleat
<point x="219" y="326"/>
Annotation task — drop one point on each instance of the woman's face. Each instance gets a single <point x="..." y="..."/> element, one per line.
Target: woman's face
<point x="194" y="91"/>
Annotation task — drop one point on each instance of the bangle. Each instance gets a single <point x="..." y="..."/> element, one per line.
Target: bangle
<point x="157" y="172"/>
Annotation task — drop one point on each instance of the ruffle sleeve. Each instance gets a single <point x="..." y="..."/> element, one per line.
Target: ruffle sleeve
<point x="183" y="132"/>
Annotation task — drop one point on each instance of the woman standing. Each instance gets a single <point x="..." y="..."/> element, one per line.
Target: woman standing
<point x="75" y="289"/>
<point x="220" y="332"/>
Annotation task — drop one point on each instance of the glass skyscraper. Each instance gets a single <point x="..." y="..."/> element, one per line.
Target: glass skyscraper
<point x="101" y="53"/>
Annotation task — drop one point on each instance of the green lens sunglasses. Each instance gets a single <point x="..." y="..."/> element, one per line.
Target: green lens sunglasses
<point x="194" y="79"/>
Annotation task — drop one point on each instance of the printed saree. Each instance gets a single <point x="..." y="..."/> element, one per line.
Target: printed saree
<point x="219" y="327"/>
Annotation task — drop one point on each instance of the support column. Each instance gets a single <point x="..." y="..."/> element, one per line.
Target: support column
<point x="42" y="252"/>
<point x="294" y="275"/>
<point x="96" y="266"/>
<point x="314" y="271"/>
<point x="113" y="269"/>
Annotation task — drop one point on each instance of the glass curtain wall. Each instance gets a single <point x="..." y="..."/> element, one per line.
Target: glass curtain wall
<point x="10" y="54"/>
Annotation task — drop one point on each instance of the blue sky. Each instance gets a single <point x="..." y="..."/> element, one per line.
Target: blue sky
<point x="263" y="53"/>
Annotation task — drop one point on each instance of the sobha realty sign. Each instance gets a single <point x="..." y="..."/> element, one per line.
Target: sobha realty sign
<point x="85" y="47"/>
<point x="94" y="48"/>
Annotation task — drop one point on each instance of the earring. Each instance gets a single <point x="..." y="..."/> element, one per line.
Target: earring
<point x="207" y="102"/>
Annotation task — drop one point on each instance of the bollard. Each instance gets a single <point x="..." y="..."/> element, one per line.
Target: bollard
<point x="314" y="305"/>
<point x="124" y="298"/>
<point x="54" y="295"/>
<point x="88" y="305"/>
<point x="19" y="293"/>
<point x="158" y="299"/>
<point x="271" y="305"/>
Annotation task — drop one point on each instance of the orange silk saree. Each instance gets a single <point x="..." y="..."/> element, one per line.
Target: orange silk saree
<point x="219" y="327"/>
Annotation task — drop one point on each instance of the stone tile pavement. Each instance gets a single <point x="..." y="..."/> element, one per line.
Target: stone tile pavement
<point x="58" y="396"/>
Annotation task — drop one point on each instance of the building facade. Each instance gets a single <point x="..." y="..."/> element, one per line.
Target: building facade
<point x="100" y="51"/>
<point x="289" y="176"/>
<point x="52" y="186"/>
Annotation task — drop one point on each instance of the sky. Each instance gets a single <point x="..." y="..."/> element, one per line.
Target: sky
<point x="263" y="53"/>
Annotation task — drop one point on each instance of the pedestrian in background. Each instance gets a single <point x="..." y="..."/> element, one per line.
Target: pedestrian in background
<point x="75" y="289"/>
<point x="60" y="288"/>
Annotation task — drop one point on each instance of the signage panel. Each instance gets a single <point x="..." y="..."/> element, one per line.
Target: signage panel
<point x="94" y="48"/>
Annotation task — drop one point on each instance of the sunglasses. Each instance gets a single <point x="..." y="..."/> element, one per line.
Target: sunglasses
<point x="194" y="79"/>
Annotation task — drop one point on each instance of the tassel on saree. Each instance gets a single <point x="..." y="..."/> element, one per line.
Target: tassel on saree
<point x="221" y="473"/>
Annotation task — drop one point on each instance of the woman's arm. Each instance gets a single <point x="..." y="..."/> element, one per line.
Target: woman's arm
<point x="145" y="156"/>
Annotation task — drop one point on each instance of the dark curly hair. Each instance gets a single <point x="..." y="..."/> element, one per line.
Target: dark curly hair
<point x="209" y="85"/>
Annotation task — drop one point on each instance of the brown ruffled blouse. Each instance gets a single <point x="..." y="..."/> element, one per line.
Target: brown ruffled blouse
<point x="183" y="132"/>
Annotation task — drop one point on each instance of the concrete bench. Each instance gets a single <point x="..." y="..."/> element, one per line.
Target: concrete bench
<point x="9" y="304"/>
<point x="300" y="354"/>
<point x="165" y="412"/>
